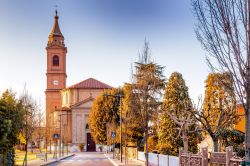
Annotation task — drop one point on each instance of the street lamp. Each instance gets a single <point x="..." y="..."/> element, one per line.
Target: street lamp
<point x="119" y="97"/>
<point x="62" y="132"/>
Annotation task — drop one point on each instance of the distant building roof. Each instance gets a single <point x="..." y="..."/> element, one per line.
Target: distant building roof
<point x="90" y="83"/>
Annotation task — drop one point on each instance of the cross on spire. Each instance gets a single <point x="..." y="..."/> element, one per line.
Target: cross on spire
<point x="56" y="9"/>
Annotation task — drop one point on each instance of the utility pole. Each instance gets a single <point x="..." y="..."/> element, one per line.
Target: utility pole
<point x="120" y="126"/>
<point x="46" y="144"/>
<point x="60" y="136"/>
<point x="67" y="134"/>
<point x="49" y="135"/>
<point x="125" y="140"/>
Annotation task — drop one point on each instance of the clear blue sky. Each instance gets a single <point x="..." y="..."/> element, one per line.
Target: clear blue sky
<point x="103" y="39"/>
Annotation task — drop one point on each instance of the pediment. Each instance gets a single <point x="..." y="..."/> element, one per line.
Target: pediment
<point x="87" y="103"/>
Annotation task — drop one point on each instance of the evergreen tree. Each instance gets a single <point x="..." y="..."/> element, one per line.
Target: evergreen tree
<point x="219" y="107"/>
<point x="147" y="85"/>
<point x="11" y="123"/>
<point x="177" y="103"/>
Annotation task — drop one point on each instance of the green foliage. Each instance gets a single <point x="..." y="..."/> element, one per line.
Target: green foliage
<point x="232" y="137"/>
<point x="219" y="107"/>
<point x="132" y="120"/>
<point x="152" y="143"/>
<point x="220" y="101"/>
<point x="193" y="140"/>
<point x="11" y="122"/>
<point x="104" y="117"/>
<point x="169" y="140"/>
<point x="21" y="138"/>
<point x="148" y="85"/>
<point x="104" y="112"/>
<point x="176" y="101"/>
<point x="81" y="147"/>
<point x="164" y="148"/>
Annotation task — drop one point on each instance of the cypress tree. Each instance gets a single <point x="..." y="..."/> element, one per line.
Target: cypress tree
<point x="176" y="100"/>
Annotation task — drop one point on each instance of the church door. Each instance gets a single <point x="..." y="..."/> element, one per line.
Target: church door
<point x="90" y="143"/>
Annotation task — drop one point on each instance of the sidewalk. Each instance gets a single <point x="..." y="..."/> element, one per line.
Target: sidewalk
<point x="49" y="160"/>
<point x="130" y="162"/>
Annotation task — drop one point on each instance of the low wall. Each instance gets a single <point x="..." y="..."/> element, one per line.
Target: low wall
<point x="159" y="159"/>
<point x="131" y="152"/>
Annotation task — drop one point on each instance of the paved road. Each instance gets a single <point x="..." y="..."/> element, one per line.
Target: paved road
<point x="84" y="159"/>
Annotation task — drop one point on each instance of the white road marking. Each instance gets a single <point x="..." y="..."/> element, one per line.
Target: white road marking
<point x="111" y="160"/>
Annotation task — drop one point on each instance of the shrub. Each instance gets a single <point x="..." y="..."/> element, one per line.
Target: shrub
<point x="81" y="147"/>
<point x="152" y="143"/>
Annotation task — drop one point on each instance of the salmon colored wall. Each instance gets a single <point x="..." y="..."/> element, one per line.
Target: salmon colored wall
<point x="78" y="95"/>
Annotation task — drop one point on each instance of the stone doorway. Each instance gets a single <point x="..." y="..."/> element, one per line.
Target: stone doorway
<point x="90" y="143"/>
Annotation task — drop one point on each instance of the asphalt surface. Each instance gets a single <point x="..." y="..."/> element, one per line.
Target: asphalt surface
<point x="85" y="159"/>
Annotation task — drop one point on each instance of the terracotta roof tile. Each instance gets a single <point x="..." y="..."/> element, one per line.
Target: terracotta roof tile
<point x="90" y="83"/>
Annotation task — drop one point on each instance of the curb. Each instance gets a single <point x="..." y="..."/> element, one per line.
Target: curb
<point x="52" y="162"/>
<point x="123" y="164"/>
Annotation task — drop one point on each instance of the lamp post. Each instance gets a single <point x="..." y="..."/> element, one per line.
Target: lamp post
<point x="60" y="138"/>
<point x="119" y="97"/>
<point x="63" y="132"/>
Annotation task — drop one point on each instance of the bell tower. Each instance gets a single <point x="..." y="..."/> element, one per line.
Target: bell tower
<point x="56" y="70"/>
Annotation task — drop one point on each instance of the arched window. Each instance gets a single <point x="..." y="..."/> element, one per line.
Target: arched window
<point x="55" y="60"/>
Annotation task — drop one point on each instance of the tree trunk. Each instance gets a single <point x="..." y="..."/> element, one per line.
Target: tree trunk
<point x="31" y="143"/>
<point x="26" y="138"/>
<point x="185" y="141"/>
<point x="146" y="141"/>
<point x="247" y="106"/>
<point x="247" y="136"/>
<point x="46" y="145"/>
<point x="146" y="153"/>
<point x="26" y="154"/>
<point x="216" y="144"/>
<point x="50" y="145"/>
<point x="247" y="124"/>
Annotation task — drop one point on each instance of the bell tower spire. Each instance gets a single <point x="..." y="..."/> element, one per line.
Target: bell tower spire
<point x="56" y="69"/>
<point x="56" y="37"/>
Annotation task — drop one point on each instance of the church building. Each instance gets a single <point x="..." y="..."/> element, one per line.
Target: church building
<point x="67" y="107"/>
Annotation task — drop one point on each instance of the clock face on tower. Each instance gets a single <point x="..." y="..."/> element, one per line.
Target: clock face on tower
<point x="55" y="82"/>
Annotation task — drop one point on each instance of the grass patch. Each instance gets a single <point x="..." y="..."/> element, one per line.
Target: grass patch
<point x="19" y="157"/>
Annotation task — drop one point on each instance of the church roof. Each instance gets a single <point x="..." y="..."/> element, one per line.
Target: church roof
<point x="90" y="83"/>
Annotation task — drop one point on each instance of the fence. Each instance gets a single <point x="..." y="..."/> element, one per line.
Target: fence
<point x="159" y="159"/>
<point x="188" y="159"/>
<point x="227" y="158"/>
